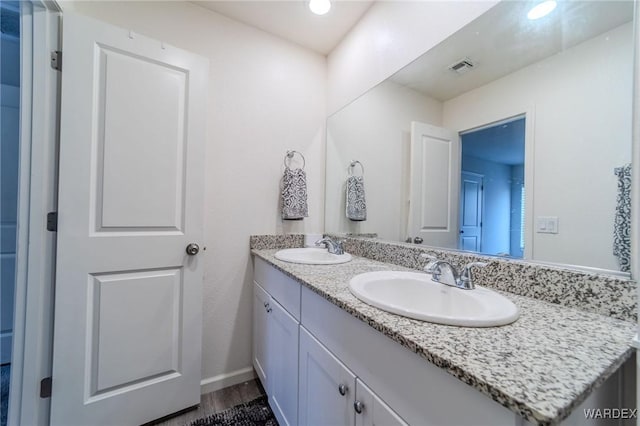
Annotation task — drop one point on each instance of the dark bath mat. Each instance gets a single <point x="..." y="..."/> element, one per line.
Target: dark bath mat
<point x="252" y="413"/>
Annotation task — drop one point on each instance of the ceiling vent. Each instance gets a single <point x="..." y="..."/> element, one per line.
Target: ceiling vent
<point x="462" y="66"/>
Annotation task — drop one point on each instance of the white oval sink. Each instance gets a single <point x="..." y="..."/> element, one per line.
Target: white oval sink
<point x="312" y="256"/>
<point x="416" y="295"/>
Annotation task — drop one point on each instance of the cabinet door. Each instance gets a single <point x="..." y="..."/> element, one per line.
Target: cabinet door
<point x="327" y="387"/>
<point x="283" y="363"/>
<point x="260" y="335"/>
<point x="373" y="411"/>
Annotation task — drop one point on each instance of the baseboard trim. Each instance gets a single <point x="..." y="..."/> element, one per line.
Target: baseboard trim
<point x="211" y="384"/>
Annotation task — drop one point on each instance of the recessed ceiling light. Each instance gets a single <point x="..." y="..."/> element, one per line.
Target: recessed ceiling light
<point x="320" y="7"/>
<point x="541" y="9"/>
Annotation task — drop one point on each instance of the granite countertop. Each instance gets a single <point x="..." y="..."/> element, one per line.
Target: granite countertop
<point x="541" y="367"/>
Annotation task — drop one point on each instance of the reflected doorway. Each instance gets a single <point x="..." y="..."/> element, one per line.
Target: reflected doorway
<point x="492" y="193"/>
<point x="9" y="158"/>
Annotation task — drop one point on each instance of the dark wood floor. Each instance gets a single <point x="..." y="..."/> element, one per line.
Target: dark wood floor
<point x="214" y="402"/>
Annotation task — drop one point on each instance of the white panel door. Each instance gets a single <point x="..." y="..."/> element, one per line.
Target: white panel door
<point x="373" y="410"/>
<point x="283" y="364"/>
<point x="471" y="189"/>
<point x="326" y="387"/>
<point x="435" y="182"/>
<point x="128" y="308"/>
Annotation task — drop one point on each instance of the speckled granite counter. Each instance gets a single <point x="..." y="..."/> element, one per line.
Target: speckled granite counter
<point x="541" y="367"/>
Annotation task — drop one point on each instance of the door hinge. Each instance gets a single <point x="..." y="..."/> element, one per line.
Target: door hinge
<point x="56" y="60"/>
<point x="52" y="221"/>
<point x="45" y="387"/>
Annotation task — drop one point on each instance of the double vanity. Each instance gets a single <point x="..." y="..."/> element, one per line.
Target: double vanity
<point x="325" y="357"/>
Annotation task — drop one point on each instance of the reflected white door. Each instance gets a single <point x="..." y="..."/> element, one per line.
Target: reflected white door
<point x="471" y="188"/>
<point x="128" y="308"/>
<point x="435" y="183"/>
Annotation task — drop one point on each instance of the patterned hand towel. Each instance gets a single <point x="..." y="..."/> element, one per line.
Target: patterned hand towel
<point x="622" y="224"/>
<point x="356" y="204"/>
<point x="294" y="194"/>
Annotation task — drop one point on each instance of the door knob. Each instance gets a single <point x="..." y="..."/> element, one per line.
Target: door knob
<point x="193" y="249"/>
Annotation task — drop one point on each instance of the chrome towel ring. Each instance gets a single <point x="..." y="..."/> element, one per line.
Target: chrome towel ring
<point x="290" y="155"/>
<point x="352" y="166"/>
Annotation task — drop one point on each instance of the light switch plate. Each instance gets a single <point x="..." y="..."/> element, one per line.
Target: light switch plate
<point x="547" y="224"/>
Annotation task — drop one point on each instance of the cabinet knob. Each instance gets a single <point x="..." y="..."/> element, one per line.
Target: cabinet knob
<point x="269" y="310"/>
<point x="266" y="304"/>
<point x="358" y="406"/>
<point x="342" y="389"/>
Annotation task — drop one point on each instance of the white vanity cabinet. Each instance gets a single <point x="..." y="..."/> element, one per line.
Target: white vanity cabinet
<point x="373" y="411"/>
<point x="306" y="384"/>
<point x="261" y="301"/>
<point x="327" y="387"/>
<point x="275" y="340"/>
<point x="331" y="394"/>
<point x="321" y="366"/>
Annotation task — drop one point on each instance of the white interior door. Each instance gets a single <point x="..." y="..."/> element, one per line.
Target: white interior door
<point x="128" y="308"/>
<point x="435" y="183"/>
<point x="471" y="188"/>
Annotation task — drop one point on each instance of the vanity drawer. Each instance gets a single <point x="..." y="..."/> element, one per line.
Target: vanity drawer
<point x="284" y="289"/>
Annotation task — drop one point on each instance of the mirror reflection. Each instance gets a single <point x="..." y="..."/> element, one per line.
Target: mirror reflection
<point x="503" y="139"/>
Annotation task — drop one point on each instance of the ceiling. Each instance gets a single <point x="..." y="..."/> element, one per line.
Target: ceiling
<point x="292" y="20"/>
<point x="503" y="40"/>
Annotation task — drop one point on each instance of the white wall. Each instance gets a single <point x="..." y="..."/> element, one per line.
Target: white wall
<point x="10" y="60"/>
<point x="517" y="181"/>
<point x="581" y="100"/>
<point x="389" y="36"/>
<point x="266" y="95"/>
<point x="376" y="130"/>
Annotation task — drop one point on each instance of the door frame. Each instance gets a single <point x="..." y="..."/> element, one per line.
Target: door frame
<point x="37" y="194"/>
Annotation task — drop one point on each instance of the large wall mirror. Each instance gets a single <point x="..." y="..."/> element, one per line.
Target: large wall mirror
<point x="509" y="138"/>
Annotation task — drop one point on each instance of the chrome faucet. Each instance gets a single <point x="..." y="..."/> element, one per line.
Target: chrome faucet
<point x="446" y="273"/>
<point x="334" y="247"/>
<point x="466" y="277"/>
